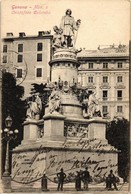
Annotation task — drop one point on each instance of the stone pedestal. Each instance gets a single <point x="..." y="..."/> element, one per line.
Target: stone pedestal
<point x="6" y="181"/>
<point x="31" y="128"/>
<point x="48" y="157"/>
<point x="97" y="128"/>
<point x="64" y="65"/>
<point x="54" y="126"/>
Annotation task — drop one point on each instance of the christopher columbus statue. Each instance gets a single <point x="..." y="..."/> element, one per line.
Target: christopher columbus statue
<point x="68" y="27"/>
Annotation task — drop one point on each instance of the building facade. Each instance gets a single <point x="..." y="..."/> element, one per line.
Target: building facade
<point x="27" y="57"/>
<point x="106" y="71"/>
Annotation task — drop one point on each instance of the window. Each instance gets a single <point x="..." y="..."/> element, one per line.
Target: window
<point x="19" y="73"/>
<point x="119" y="109"/>
<point x="4" y="48"/>
<point x="105" y="65"/>
<point x="20" y="47"/>
<point x="119" y="65"/>
<point x="105" y="94"/>
<point x="5" y="59"/>
<point x="39" y="72"/>
<point x="20" y="58"/>
<point x="119" y="95"/>
<point x="119" y="79"/>
<point x="39" y="57"/>
<point x="105" y="79"/>
<point x="90" y="79"/>
<point x="105" y="109"/>
<point x="39" y="46"/>
<point x="90" y="65"/>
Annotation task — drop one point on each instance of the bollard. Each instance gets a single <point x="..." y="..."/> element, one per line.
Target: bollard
<point x="44" y="183"/>
<point x="78" y="182"/>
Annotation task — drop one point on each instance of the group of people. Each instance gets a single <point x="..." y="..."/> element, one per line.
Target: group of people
<point x="86" y="178"/>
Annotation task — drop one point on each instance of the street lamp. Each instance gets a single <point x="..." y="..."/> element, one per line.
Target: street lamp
<point x="8" y="122"/>
<point x="8" y="135"/>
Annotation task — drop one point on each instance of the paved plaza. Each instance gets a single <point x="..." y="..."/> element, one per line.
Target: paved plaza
<point x="96" y="189"/>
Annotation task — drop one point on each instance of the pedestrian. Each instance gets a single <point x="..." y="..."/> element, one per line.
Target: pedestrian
<point x="111" y="180"/>
<point x="78" y="181"/>
<point x="61" y="176"/>
<point x="86" y="178"/>
<point x="107" y="180"/>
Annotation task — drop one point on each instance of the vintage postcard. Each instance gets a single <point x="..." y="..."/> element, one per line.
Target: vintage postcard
<point x="65" y="96"/>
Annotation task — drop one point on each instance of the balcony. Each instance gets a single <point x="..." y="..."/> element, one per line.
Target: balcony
<point x="105" y="86"/>
<point x="119" y="98"/>
<point x="105" y="98"/>
<point x="120" y="86"/>
<point x="91" y="86"/>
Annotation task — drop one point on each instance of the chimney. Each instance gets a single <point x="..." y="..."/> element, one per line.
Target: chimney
<point x="9" y="34"/>
<point x="22" y="34"/>
<point x="40" y="33"/>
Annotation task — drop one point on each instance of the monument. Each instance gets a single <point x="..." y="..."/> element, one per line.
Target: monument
<point x="72" y="133"/>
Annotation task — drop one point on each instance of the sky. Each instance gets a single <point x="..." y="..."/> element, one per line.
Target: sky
<point x="103" y="22"/>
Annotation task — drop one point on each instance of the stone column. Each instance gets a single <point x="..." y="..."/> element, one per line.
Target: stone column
<point x="64" y="65"/>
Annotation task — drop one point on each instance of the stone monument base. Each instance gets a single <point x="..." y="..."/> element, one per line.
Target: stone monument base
<point x="48" y="157"/>
<point x="69" y="143"/>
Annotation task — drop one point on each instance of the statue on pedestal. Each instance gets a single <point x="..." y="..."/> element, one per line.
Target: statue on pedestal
<point x="64" y="36"/>
<point x="68" y="26"/>
<point x="34" y="108"/>
<point x="54" y="101"/>
<point x="90" y="105"/>
<point x="57" y="38"/>
<point x="93" y="106"/>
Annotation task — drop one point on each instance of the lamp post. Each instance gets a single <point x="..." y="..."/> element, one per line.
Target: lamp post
<point x="8" y="135"/>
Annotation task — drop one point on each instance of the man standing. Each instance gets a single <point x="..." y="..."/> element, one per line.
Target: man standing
<point x="86" y="178"/>
<point x="68" y="25"/>
<point x="112" y="180"/>
<point x="61" y="176"/>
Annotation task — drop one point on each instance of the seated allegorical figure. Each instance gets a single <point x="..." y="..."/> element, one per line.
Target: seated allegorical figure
<point x="57" y="38"/>
<point x="34" y="108"/>
<point x="93" y="106"/>
<point x="54" y="101"/>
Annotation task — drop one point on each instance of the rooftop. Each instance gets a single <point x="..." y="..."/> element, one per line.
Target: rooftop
<point x="106" y="51"/>
<point x="22" y="35"/>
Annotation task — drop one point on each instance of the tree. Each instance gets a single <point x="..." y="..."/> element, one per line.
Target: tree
<point x="13" y="105"/>
<point x="118" y="136"/>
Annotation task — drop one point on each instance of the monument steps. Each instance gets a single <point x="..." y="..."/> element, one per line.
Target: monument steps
<point x="69" y="188"/>
<point x="37" y="185"/>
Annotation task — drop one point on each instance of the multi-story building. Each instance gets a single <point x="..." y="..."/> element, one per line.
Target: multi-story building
<point x="106" y="70"/>
<point x="27" y="57"/>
